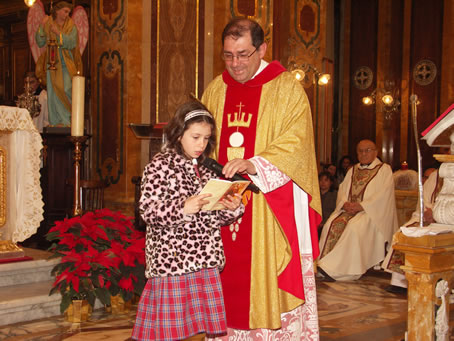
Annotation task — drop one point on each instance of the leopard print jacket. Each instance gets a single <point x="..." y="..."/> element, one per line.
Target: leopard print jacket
<point x="176" y="243"/>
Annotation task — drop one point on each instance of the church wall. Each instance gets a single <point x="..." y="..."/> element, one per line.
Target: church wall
<point x="400" y="41"/>
<point x="363" y="42"/>
<point x="117" y="74"/>
<point x="426" y="47"/>
<point x="447" y="77"/>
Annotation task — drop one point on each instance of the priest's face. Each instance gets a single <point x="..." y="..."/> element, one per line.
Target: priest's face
<point x="242" y="59"/>
<point x="367" y="152"/>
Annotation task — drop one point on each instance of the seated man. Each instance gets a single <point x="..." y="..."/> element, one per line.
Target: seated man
<point x="395" y="259"/>
<point x="354" y="237"/>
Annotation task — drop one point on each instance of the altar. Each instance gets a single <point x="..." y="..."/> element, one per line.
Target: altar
<point x="429" y="250"/>
<point x="21" y="204"/>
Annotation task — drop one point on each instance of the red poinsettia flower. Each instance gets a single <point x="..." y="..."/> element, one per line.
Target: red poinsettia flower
<point x="93" y="233"/>
<point x="99" y="250"/>
<point x="127" y="283"/>
<point x="68" y="277"/>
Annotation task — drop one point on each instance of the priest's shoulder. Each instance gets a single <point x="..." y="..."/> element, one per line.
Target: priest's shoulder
<point x="215" y="84"/>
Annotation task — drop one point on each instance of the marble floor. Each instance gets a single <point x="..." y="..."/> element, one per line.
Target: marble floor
<point x="360" y="310"/>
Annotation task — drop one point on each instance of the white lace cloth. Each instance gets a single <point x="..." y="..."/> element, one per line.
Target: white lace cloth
<point x="23" y="143"/>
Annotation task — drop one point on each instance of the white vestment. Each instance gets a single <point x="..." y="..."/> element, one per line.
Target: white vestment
<point x="362" y="243"/>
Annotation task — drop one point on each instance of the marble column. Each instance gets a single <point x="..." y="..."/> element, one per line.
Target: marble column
<point x="428" y="260"/>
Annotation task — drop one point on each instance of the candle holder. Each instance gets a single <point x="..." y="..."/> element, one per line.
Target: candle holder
<point x="52" y="54"/>
<point x="78" y="142"/>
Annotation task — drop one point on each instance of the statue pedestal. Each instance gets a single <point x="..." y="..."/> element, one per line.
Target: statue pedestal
<point x="428" y="259"/>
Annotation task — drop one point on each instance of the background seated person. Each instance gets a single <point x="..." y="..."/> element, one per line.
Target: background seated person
<point x="354" y="237"/>
<point x="31" y="84"/>
<point x="427" y="173"/>
<point x="395" y="259"/>
<point x="342" y="168"/>
<point x="328" y="196"/>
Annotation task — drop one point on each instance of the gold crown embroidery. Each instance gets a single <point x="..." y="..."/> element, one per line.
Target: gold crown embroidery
<point x="238" y="120"/>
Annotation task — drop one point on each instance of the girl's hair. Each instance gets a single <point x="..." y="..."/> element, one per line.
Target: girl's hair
<point x="341" y="170"/>
<point x="178" y="125"/>
<point x="328" y="176"/>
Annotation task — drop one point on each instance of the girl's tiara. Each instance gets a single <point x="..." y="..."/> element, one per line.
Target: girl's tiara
<point x="195" y="113"/>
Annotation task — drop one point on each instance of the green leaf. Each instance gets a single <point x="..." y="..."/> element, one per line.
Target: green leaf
<point x="65" y="302"/>
<point x="103" y="295"/>
<point x="91" y="298"/>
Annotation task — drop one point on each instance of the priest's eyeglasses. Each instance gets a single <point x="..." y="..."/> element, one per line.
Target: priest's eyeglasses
<point x="228" y="57"/>
<point x="366" y="151"/>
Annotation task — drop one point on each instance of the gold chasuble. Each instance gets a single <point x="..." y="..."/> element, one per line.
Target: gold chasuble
<point x="268" y="116"/>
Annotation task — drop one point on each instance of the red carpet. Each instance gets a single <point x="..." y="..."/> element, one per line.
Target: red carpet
<point x="13" y="260"/>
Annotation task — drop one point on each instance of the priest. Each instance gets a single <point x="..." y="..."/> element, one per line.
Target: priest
<point x="355" y="235"/>
<point x="265" y="132"/>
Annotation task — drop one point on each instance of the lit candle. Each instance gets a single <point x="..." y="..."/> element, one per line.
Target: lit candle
<point x="77" y="112"/>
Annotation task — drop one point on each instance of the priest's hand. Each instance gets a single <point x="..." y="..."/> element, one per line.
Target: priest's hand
<point x="352" y="207"/>
<point x="231" y="202"/>
<point x="239" y="166"/>
<point x="428" y="216"/>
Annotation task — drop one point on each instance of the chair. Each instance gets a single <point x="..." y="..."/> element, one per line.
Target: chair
<point x="91" y="194"/>
<point x="406" y="202"/>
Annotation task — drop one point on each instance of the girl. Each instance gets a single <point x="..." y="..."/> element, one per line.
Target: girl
<point x="184" y="252"/>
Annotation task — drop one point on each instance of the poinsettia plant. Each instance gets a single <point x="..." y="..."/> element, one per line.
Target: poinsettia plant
<point x="102" y="255"/>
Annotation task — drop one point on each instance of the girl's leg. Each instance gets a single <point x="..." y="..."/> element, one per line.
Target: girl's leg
<point x="196" y="337"/>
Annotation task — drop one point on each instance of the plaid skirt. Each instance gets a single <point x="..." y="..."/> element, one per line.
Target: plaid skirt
<point x="176" y="307"/>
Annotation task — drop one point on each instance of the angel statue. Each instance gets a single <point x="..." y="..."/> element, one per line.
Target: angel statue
<point x="71" y="36"/>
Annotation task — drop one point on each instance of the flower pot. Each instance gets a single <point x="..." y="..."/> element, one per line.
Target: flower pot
<point x="119" y="306"/>
<point x="78" y="311"/>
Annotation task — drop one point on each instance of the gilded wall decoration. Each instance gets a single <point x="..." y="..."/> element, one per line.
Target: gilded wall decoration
<point x="110" y="116"/>
<point x="260" y="11"/>
<point x="110" y="14"/>
<point x="305" y="28"/>
<point x="3" y="186"/>
<point x="177" y="55"/>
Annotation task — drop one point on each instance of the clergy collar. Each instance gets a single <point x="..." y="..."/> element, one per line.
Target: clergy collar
<point x="265" y="73"/>
<point x="263" y="65"/>
<point x="370" y="165"/>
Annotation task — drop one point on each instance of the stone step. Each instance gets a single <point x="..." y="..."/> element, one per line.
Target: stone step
<point x="30" y="271"/>
<point x="26" y="302"/>
<point x="25" y="287"/>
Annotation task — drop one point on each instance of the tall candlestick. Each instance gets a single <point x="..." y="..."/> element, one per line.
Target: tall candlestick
<point x="77" y="114"/>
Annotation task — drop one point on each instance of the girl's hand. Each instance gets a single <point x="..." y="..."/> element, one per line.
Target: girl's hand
<point x="194" y="204"/>
<point x="232" y="202"/>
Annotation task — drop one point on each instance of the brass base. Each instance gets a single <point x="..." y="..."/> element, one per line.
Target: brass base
<point x="8" y="249"/>
<point x="444" y="157"/>
<point x="78" y="311"/>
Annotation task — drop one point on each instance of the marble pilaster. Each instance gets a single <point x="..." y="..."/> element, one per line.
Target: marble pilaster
<point x="428" y="259"/>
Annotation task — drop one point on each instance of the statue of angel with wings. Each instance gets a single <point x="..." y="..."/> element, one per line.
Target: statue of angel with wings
<point x="71" y="36"/>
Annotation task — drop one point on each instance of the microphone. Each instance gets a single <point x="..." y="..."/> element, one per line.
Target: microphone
<point x="217" y="168"/>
